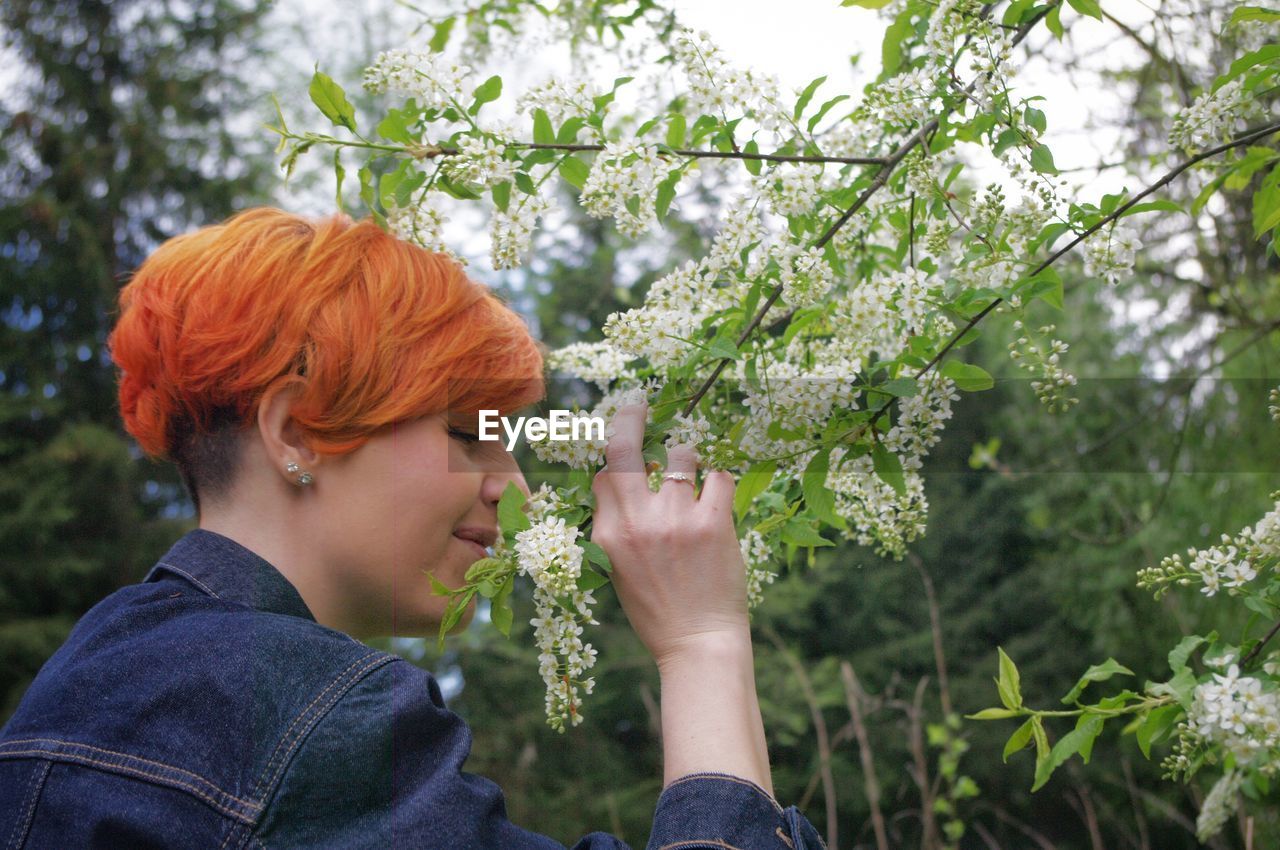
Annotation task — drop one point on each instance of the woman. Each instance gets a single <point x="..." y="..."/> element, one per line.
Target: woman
<point x="317" y="384"/>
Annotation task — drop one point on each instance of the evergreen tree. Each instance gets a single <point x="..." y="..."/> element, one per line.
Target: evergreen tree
<point x="116" y="136"/>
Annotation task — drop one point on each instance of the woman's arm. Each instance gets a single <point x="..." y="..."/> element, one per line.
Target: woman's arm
<point x="710" y="711"/>
<point x="679" y="574"/>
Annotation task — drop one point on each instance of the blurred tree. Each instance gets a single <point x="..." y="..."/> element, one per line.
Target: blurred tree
<point x="117" y="130"/>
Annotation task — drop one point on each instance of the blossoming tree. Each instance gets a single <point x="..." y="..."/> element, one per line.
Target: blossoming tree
<point x="815" y="348"/>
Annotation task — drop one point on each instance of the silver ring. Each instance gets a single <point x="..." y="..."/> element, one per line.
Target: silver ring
<point x="678" y="476"/>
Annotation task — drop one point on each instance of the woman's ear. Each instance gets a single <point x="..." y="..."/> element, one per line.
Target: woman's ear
<point x="282" y="438"/>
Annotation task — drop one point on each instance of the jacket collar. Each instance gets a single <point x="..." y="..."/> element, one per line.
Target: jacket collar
<point x="224" y="569"/>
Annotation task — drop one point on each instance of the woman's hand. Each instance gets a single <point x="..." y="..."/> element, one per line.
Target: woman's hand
<point x="677" y="565"/>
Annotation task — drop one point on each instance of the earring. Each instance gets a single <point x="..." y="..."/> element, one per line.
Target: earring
<point x="304" y="479"/>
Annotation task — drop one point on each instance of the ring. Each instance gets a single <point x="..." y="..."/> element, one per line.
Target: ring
<point x="678" y="476"/>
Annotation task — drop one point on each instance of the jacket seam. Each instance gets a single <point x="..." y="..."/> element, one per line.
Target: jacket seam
<point x="168" y="781"/>
<point x="197" y="582"/>
<point x="288" y="742"/>
<point x="696" y="843"/>
<point x="729" y="778"/>
<point x="22" y="826"/>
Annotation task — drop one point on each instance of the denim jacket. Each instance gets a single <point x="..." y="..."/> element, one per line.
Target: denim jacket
<point x="204" y="707"/>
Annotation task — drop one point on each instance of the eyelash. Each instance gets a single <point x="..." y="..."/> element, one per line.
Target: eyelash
<point x="465" y="436"/>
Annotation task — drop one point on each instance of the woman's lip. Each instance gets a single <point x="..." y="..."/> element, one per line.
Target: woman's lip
<point x="481" y="552"/>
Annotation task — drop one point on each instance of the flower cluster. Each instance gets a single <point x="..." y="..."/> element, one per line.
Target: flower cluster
<point x="624" y="184"/>
<point x="1209" y="118"/>
<point x="479" y="160"/>
<point x="1232" y="564"/>
<point x="757" y="555"/>
<point x="549" y="554"/>
<point x="1111" y="258"/>
<point x="511" y="232"/>
<point x="598" y="362"/>
<point x="560" y="100"/>
<point x="717" y="88"/>
<point x="422" y="224"/>
<point x="1052" y="384"/>
<point x="435" y="81"/>
<point x="1236" y="712"/>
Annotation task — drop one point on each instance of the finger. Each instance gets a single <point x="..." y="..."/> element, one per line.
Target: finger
<point x="717" y="492"/>
<point x="682" y="458"/>
<point x="623" y="455"/>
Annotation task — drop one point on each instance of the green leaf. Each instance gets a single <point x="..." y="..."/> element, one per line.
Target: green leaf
<point x="438" y="587"/>
<point x="1018" y="739"/>
<point x="500" y="609"/>
<point x="1041" y="739"/>
<point x="752" y="483"/>
<point x="1087" y="7"/>
<point x="1042" y="160"/>
<point x="818" y="497"/>
<point x="889" y="467"/>
<point x="501" y="193"/>
<point x="823" y="110"/>
<point x="568" y="133"/>
<point x="666" y="194"/>
<point x="806" y="96"/>
<point x="440" y="37"/>
<point x="1053" y="20"/>
<point x="590" y="580"/>
<point x="461" y="191"/>
<point x="1152" y="206"/>
<point x="1155" y="726"/>
<point x="511" y="516"/>
<point x="891" y="48"/>
<point x="1179" y="654"/>
<point x="596" y="555"/>
<point x="329" y="97"/>
<point x="1035" y="118"/>
<point x="1009" y="685"/>
<point x="574" y="171"/>
<point x="489" y="90"/>
<point x="801" y="533"/>
<point x="904" y="387"/>
<point x="1266" y="53"/>
<point x="525" y="183"/>
<point x="675" y="130"/>
<point x="1266" y="203"/>
<point x="968" y="378"/>
<point x="1078" y="740"/>
<point x="1096" y="673"/>
<point x="752" y="165"/>
<point x="338" y="172"/>
<point x="543" y="132"/>
<point x="393" y="127"/>
<point x="1254" y="13"/>
<point x="1047" y="286"/>
<point x="993" y="714"/>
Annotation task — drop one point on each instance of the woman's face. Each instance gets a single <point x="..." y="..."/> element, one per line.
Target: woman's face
<point x="402" y="506"/>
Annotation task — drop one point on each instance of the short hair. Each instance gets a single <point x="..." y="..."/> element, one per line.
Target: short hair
<point x="375" y="330"/>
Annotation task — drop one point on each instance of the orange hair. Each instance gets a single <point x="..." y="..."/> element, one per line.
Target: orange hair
<point x="375" y="330"/>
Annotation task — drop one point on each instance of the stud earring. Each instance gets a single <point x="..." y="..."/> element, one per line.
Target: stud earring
<point x="304" y="479"/>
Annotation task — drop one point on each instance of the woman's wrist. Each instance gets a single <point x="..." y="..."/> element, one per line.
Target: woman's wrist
<point x="721" y="645"/>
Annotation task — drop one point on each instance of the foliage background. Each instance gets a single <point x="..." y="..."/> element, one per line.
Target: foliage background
<point x="109" y="143"/>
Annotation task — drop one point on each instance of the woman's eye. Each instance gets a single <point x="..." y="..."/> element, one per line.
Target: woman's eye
<point x="465" y="436"/>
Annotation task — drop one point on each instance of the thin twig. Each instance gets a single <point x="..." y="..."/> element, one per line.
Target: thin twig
<point x="935" y="626"/>
<point x="432" y="151"/>
<point x="853" y="696"/>
<point x="1253" y="653"/>
<point x="819" y="728"/>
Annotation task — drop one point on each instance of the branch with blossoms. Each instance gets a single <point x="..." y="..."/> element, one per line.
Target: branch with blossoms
<point x="853" y="214"/>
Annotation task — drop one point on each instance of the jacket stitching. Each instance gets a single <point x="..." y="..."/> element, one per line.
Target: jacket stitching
<point x="728" y="778"/>
<point x="246" y="803"/>
<point x="123" y="768"/>
<point x="197" y="582"/>
<point x="696" y="843"/>
<point x="777" y="830"/>
<point x="282" y="751"/>
<point x="23" y="824"/>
